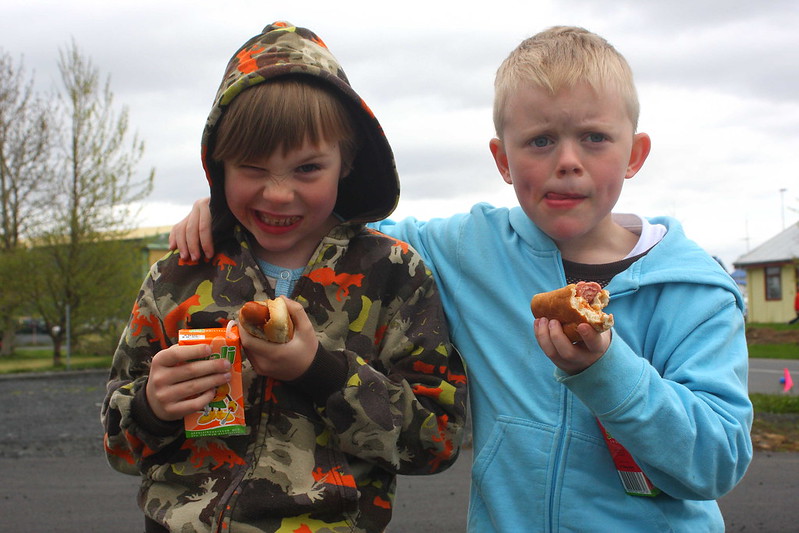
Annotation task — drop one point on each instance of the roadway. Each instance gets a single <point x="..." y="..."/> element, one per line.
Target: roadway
<point x="765" y="375"/>
<point x="55" y="477"/>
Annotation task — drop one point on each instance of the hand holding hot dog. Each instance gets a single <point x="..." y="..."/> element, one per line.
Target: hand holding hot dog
<point x="285" y="357"/>
<point x="570" y="326"/>
<point x="268" y="320"/>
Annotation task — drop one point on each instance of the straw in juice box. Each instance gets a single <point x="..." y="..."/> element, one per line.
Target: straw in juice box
<point x="224" y="415"/>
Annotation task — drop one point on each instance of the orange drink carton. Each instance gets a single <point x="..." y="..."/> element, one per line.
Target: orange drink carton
<point x="224" y="415"/>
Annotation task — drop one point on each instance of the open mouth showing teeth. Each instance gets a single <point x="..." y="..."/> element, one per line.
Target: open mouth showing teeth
<point x="278" y="221"/>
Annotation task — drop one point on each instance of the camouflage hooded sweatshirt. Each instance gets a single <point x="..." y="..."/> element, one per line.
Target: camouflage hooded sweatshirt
<point x="385" y="393"/>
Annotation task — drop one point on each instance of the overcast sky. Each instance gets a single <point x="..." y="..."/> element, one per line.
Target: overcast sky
<point x="718" y="83"/>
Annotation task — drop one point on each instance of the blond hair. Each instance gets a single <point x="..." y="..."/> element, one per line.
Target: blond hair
<point x="559" y="58"/>
<point x="281" y="115"/>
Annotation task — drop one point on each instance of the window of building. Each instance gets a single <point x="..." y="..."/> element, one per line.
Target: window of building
<point x="773" y="283"/>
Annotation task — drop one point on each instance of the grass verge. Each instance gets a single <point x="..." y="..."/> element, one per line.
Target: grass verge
<point x="774" y="351"/>
<point x="41" y="360"/>
<point x="775" y="403"/>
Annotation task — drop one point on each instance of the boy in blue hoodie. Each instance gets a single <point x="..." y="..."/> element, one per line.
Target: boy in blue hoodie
<point x="640" y="428"/>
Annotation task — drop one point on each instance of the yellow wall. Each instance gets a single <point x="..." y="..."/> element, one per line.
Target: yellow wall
<point x="154" y="255"/>
<point x="761" y="310"/>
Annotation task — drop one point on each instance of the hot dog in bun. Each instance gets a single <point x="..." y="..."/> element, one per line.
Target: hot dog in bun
<point x="574" y="304"/>
<point x="268" y="320"/>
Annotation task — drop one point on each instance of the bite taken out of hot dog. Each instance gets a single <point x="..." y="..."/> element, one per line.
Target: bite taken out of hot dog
<point x="572" y="305"/>
<point x="268" y="320"/>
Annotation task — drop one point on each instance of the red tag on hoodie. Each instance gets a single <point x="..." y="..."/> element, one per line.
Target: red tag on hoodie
<point x="633" y="479"/>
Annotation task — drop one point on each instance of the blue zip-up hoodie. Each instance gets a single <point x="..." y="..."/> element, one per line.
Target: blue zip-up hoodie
<point x="672" y="387"/>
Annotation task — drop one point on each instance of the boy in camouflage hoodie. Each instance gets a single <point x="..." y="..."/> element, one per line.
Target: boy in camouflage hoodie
<point x="369" y="386"/>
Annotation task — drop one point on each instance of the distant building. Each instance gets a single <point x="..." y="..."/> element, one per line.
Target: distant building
<point x="772" y="274"/>
<point x="154" y="244"/>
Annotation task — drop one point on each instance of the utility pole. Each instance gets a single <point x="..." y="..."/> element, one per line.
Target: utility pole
<point x="746" y="233"/>
<point x="782" y="206"/>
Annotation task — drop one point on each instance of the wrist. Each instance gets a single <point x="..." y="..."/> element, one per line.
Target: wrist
<point x="326" y="374"/>
<point x="143" y="414"/>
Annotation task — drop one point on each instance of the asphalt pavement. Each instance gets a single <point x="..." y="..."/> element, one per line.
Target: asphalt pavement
<point x="765" y="375"/>
<point x="55" y="478"/>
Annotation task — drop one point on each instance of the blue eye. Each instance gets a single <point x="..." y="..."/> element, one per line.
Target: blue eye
<point x="540" y="142"/>
<point x="311" y="167"/>
<point x="596" y="137"/>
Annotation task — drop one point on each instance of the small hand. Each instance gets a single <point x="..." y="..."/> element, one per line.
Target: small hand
<point x="570" y="357"/>
<point x="287" y="361"/>
<point x="192" y="236"/>
<point x="182" y="380"/>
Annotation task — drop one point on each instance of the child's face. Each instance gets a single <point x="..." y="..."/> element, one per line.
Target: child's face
<point x="286" y="201"/>
<point x="567" y="156"/>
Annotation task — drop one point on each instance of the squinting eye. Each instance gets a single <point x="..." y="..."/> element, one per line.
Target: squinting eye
<point x="250" y="169"/>
<point x="596" y="137"/>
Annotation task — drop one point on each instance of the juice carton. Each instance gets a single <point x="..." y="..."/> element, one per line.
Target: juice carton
<point x="224" y="415"/>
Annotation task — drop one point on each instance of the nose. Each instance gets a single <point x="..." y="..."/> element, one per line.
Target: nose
<point x="278" y="190"/>
<point x="569" y="160"/>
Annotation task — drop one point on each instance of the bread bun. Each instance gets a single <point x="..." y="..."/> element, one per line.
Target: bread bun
<point x="573" y="305"/>
<point x="268" y="320"/>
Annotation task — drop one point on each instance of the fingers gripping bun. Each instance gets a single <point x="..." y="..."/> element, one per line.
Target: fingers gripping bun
<point x="573" y="305"/>
<point x="268" y="320"/>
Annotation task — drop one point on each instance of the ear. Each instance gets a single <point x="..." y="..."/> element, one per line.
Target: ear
<point x="501" y="159"/>
<point x="640" y="151"/>
<point x="346" y="170"/>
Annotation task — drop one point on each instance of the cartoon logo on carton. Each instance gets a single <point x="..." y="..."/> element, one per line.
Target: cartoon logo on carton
<point x="224" y="414"/>
<point x="223" y="407"/>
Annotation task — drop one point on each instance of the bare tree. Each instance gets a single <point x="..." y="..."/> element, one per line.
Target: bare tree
<point x="84" y="276"/>
<point x="25" y="176"/>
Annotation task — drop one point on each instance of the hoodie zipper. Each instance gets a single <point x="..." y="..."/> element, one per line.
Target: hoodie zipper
<point x="249" y="459"/>
<point x="559" y="460"/>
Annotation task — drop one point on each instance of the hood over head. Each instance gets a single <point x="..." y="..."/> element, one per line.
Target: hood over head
<point x="371" y="191"/>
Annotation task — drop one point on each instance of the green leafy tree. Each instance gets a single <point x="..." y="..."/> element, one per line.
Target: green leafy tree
<point x="84" y="289"/>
